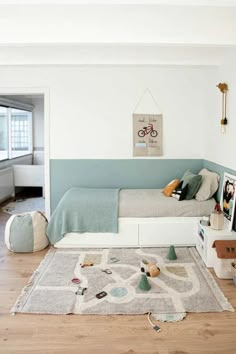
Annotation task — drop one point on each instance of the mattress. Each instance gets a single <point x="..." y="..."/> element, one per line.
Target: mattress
<point x="142" y="203"/>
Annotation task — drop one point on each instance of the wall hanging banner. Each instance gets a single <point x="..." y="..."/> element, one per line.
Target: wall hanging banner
<point x="147" y="135"/>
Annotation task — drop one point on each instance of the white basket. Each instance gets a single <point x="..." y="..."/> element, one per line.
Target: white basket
<point x="222" y="267"/>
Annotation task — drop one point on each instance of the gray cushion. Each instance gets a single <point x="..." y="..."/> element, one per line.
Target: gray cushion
<point x="193" y="181"/>
<point x="210" y="184"/>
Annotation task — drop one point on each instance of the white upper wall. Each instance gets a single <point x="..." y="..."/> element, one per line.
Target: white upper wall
<point x="91" y="107"/>
<point x="155" y="24"/>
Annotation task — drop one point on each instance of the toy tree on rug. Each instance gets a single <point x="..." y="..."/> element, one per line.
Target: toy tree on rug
<point x="144" y="284"/>
<point x="171" y="254"/>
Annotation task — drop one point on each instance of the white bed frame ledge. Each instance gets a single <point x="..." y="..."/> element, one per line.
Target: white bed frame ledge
<point x="138" y="232"/>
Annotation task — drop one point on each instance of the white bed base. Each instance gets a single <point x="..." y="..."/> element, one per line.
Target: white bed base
<point x="138" y="232"/>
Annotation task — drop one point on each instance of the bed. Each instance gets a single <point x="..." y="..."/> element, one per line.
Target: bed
<point x="146" y="218"/>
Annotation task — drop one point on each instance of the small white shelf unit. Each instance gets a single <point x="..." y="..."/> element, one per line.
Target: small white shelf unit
<point x="205" y="238"/>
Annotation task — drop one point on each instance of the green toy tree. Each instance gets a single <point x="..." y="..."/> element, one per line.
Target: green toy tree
<point x="144" y="284"/>
<point x="171" y="254"/>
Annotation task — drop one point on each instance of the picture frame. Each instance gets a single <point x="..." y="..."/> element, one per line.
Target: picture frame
<point x="228" y="198"/>
<point x="147" y="135"/>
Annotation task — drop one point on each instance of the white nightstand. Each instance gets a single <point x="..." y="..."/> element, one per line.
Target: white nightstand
<point x="205" y="238"/>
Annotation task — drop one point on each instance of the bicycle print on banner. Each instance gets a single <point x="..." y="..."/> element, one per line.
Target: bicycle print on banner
<point x="147" y="134"/>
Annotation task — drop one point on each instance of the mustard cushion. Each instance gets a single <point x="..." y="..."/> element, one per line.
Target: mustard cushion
<point x="170" y="187"/>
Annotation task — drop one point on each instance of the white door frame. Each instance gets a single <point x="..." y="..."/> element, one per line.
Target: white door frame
<point x="46" y="93"/>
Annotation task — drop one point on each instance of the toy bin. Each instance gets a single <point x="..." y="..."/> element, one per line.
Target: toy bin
<point x="225" y="254"/>
<point x="233" y="268"/>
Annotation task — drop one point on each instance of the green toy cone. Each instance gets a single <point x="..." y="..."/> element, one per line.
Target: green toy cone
<point x="171" y="254"/>
<point x="144" y="284"/>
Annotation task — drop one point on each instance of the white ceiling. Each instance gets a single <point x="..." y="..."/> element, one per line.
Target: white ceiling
<point x="144" y="2"/>
<point x="117" y="24"/>
<point x="105" y="34"/>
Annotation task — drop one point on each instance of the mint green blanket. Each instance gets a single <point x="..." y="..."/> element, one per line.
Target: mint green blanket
<point x="84" y="210"/>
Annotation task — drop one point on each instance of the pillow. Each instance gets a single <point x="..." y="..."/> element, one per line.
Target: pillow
<point x="194" y="183"/>
<point x="180" y="193"/>
<point x="210" y="184"/>
<point x="170" y="187"/>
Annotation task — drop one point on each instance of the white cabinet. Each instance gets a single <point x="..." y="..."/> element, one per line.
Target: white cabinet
<point x="205" y="238"/>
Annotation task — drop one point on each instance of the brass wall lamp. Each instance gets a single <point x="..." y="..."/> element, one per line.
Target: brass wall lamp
<point x="223" y="87"/>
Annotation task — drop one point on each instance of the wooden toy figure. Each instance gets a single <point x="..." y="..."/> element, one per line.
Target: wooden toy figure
<point x="144" y="284"/>
<point x="171" y="254"/>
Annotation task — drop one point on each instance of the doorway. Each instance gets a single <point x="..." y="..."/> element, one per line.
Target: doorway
<point x="25" y="147"/>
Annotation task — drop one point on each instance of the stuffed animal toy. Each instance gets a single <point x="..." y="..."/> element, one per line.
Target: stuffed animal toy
<point x="180" y="193"/>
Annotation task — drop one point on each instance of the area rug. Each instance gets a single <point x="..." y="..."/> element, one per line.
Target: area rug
<point x="25" y="205"/>
<point x="183" y="285"/>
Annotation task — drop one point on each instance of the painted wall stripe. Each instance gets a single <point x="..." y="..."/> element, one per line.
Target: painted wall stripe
<point x="135" y="173"/>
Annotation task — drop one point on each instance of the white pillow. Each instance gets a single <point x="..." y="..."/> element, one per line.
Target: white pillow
<point x="210" y="184"/>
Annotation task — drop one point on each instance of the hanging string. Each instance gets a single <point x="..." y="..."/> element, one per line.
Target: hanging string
<point x="223" y="105"/>
<point x="147" y="90"/>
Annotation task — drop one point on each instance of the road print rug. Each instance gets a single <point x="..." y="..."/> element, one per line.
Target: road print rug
<point x="183" y="285"/>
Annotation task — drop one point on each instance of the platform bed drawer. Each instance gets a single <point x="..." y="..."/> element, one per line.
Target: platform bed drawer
<point x="127" y="237"/>
<point x="138" y="232"/>
<point x="165" y="233"/>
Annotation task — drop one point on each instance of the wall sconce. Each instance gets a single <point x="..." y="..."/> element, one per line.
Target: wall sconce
<point x="223" y="87"/>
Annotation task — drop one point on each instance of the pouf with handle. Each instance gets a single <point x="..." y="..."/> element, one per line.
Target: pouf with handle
<point x="26" y="232"/>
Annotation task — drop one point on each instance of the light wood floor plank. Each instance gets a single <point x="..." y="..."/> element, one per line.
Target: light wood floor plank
<point x="212" y="333"/>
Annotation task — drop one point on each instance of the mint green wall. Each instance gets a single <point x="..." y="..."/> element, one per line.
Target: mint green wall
<point x="133" y="173"/>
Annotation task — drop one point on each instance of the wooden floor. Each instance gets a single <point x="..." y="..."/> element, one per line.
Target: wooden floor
<point x="67" y="334"/>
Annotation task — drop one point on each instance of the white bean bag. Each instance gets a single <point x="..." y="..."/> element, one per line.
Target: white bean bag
<point x="26" y="232"/>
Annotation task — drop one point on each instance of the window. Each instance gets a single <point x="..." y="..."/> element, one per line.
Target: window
<point x="3" y="133"/>
<point x="15" y="132"/>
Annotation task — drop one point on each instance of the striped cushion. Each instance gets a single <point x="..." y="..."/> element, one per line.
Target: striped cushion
<point x="26" y="232"/>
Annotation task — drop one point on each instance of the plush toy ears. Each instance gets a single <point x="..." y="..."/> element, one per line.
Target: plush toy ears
<point x="180" y="193"/>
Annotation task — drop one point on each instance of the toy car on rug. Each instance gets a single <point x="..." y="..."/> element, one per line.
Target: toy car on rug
<point x="150" y="268"/>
